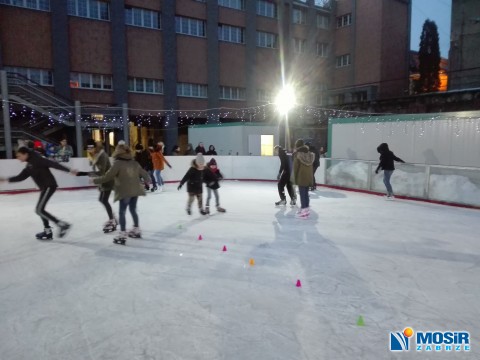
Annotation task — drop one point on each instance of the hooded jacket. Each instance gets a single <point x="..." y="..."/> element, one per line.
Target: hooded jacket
<point x="213" y="175"/>
<point x="126" y="172"/>
<point x="38" y="168"/>
<point x="101" y="163"/>
<point x="194" y="179"/>
<point x="211" y="150"/>
<point x="387" y="158"/>
<point x="303" y="166"/>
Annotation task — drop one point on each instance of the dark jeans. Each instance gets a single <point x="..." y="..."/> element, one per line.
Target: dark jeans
<point x="131" y="203"/>
<point x="45" y="195"/>
<point x="103" y="198"/>
<point x="285" y="180"/>
<point x="387" y="174"/>
<point x="314" y="181"/>
<point x="152" y="176"/>
<point x="304" y="197"/>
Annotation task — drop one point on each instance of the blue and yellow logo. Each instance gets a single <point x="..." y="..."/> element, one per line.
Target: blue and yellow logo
<point x="449" y="341"/>
<point x="400" y="341"/>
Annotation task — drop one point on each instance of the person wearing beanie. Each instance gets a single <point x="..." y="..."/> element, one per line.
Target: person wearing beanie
<point x="387" y="158"/>
<point x="283" y="178"/>
<point x="176" y="150"/>
<point x="159" y="162"/>
<point x="194" y="178"/>
<point x="212" y="178"/>
<point x="126" y="173"/>
<point x="144" y="158"/>
<point x="100" y="163"/>
<point x="303" y="175"/>
<point x="38" y="168"/>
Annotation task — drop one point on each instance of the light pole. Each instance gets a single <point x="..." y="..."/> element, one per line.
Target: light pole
<point x="285" y="101"/>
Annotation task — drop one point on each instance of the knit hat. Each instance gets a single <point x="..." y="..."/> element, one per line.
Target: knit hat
<point x="299" y="143"/>
<point x="212" y="162"/>
<point x="90" y="143"/>
<point x="200" y="160"/>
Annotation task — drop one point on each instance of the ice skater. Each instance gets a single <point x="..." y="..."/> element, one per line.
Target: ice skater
<point x="144" y="158"/>
<point x="387" y="159"/>
<point x="303" y="175"/>
<point x="194" y="179"/>
<point x="283" y="178"/>
<point x="212" y="178"/>
<point x="101" y="164"/>
<point x="126" y="172"/>
<point x="159" y="162"/>
<point x="38" y="168"/>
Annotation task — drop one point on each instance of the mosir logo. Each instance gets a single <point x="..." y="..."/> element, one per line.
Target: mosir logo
<point x="450" y="341"/>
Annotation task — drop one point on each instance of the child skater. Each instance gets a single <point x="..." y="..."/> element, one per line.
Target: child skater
<point x="126" y="172"/>
<point x="212" y="177"/>
<point x="159" y="162"/>
<point x="387" y="165"/>
<point x="194" y="176"/>
<point x="38" y="168"/>
<point x="101" y="164"/>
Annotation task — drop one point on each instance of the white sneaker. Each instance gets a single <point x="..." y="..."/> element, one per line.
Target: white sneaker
<point x="389" y="197"/>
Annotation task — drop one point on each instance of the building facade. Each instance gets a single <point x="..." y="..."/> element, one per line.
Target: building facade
<point x="183" y="55"/>
<point x="464" y="56"/>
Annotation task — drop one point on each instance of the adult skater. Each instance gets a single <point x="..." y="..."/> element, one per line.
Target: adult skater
<point x="38" y="168"/>
<point x="283" y="178"/>
<point x="159" y="162"/>
<point x="101" y="164"/>
<point x="126" y="172"/>
<point x="303" y="175"/>
<point x="144" y="158"/>
<point x="194" y="179"/>
<point x="316" y="163"/>
<point x="387" y="159"/>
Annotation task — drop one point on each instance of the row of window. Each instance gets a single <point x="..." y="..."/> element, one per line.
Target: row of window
<point x="29" y="4"/>
<point x="38" y="76"/>
<point x="92" y="9"/>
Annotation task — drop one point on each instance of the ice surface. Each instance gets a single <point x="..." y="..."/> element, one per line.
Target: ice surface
<point x="171" y="296"/>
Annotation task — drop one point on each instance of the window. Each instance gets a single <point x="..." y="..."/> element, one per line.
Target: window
<point x="343" y="60"/>
<point x="299" y="16"/>
<point x="322" y="49"/>
<point x="232" y="93"/>
<point x="29" y="4"/>
<point x="323" y="21"/>
<point x="92" y="9"/>
<point x="189" y="26"/>
<point x="38" y="76"/>
<point x="264" y="96"/>
<point x="344" y="20"/>
<point x="359" y="96"/>
<point x="231" y="34"/>
<point x="143" y="18"/>
<point x="266" y="8"/>
<point x="266" y="40"/>
<point x="323" y="3"/>
<point x="149" y="86"/>
<point x="191" y="90"/>
<point x="234" y="4"/>
<point x="90" y="81"/>
<point x="299" y="45"/>
<point x="266" y="145"/>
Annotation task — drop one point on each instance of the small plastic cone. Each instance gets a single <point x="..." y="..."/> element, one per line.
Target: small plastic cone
<point x="200" y="237"/>
<point x="360" y="321"/>
<point x="299" y="284"/>
<point x="179" y="226"/>
<point x="224" y="248"/>
<point x="251" y="262"/>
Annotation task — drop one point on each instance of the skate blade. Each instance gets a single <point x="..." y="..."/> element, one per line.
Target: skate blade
<point x="119" y="242"/>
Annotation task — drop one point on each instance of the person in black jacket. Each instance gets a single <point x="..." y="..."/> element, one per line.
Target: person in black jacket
<point x="284" y="178"/>
<point x="144" y="158"/>
<point x="200" y="149"/>
<point x="195" y="178"/>
<point x="38" y="168"/>
<point x="211" y="150"/>
<point x="387" y="159"/>
<point x="316" y="163"/>
<point x="212" y="177"/>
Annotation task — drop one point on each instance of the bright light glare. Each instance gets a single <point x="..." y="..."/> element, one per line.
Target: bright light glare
<point x="285" y="100"/>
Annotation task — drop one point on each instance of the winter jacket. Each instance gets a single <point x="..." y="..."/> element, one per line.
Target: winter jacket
<point x="158" y="160"/>
<point x="284" y="163"/>
<point x="387" y="158"/>
<point x="303" y="167"/>
<point x="189" y="150"/>
<point x="38" y="168"/>
<point x="144" y="159"/>
<point x="194" y="179"/>
<point x="64" y="153"/>
<point x="211" y="150"/>
<point x="126" y="173"/>
<point x="316" y="162"/>
<point x="200" y="149"/>
<point x="101" y="164"/>
<point x="212" y="178"/>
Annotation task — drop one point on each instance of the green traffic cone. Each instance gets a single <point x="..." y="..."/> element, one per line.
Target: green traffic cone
<point x="360" y="321"/>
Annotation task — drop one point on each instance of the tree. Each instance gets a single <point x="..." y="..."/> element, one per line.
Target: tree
<point x="429" y="58"/>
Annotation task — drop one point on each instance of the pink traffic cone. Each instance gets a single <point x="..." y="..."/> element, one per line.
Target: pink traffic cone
<point x="224" y="248"/>
<point x="299" y="284"/>
<point x="200" y="237"/>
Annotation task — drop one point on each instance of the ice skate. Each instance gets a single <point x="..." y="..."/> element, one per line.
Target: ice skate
<point x="45" y="235"/>
<point x="203" y="212"/>
<point x="389" y="197"/>
<point x="110" y="226"/>
<point x="293" y="202"/>
<point x="63" y="228"/>
<point x="135" y="233"/>
<point x="121" y="238"/>
<point x="303" y="214"/>
<point x="220" y="209"/>
<point x="282" y="202"/>
<point x="207" y="209"/>
<point x="189" y="212"/>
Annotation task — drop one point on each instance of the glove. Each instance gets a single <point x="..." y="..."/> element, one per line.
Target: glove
<point x="179" y="187"/>
<point x="170" y="166"/>
<point x="376" y="171"/>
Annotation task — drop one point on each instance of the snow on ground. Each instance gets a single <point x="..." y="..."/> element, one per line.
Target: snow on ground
<point x="171" y="296"/>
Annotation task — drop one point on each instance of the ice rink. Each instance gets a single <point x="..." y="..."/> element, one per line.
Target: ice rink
<point x="171" y="296"/>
